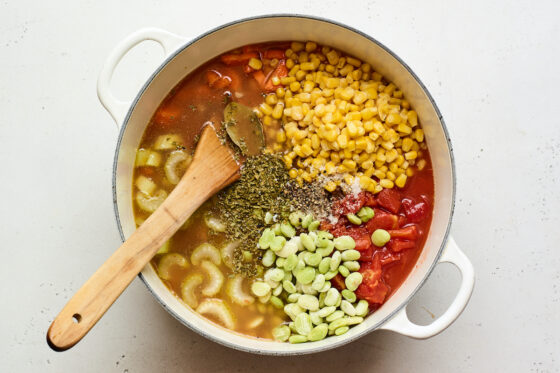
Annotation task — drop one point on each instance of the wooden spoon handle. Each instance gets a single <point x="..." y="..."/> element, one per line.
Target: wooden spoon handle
<point x="212" y="168"/>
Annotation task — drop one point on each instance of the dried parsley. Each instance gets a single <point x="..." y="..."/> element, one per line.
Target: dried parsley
<point x="243" y="205"/>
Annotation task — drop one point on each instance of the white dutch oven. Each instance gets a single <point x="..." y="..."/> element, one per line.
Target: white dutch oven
<point x="182" y="57"/>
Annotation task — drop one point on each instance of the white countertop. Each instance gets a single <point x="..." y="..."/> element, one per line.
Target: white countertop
<point x="493" y="70"/>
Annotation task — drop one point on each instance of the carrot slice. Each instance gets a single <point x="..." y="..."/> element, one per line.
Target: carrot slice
<point x="280" y="71"/>
<point x="238" y="59"/>
<point x="212" y="76"/>
<point x="260" y="78"/>
<point x="274" y="53"/>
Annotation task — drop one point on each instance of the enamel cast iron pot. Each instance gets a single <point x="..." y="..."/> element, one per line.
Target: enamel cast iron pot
<point x="183" y="56"/>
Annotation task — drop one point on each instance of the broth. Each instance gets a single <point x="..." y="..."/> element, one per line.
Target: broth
<point x="196" y="264"/>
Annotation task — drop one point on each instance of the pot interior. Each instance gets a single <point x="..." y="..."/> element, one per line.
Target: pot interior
<point x="280" y="28"/>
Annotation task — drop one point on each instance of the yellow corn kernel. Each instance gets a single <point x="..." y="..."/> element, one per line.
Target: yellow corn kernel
<point x="359" y="97"/>
<point x="421" y="164"/>
<point x="310" y="46"/>
<point x="289" y="62"/>
<point x="315" y="142"/>
<point x="406" y="144"/>
<point x="361" y="143"/>
<point x="330" y="186"/>
<point x="265" y="108"/>
<point x="376" y="76"/>
<point x="388" y="145"/>
<point x="307" y="66"/>
<point x="335" y="157"/>
<point x="354" y="61"/>
<point x="287" y="80"/>
<point x="300" y="135"/>
<point x="349" y="164"/>
<point x="332" y="82"/>
<point x="386" y="183"/>
<point x="278" y="110"/>
<point x="271" y="99"/>
<point x="279" y="91"/>
<point x="280" y="136"/>
<point x="391" y="176"/>
<point x="364" y="182"/>
<point x="297" y="46"/>
<point x="255" y="63"/>
<point x="412" y="118"/>
<point x="369" y="172"/>
<point x="295" y="86"/>
<point x="288" y="161"/>
<point x="367" y="165"/>
<point x="342" y="141"/>
<point x="393" y="119"/>
<point x="347" y="93"/>
<point x="300" y="75"/>
<point x="371" y="187"/>
<point x="391" y="155"/>
<point x="308" y="86"/>
<point x="348" y="179"/>
<point x="306" y="150"/>
<point x="403" y="128"/>
<point x="352" y="128"/>
<point x="401" y="180"/>
<point x="411" y="155"/>
<point x="419" y="135"/>
<point x="293" y="173"/>
<point x="409" y="172"/>
<point x="296" y="113"/>
<point x="267" y="120"/>
<point x="330" y="167"/>
<point x="331" y="135"/>
<point x="333" y="57"/>
<point x="379" y="174"/>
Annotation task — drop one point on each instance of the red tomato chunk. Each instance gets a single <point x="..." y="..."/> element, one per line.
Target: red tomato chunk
<point x="406" y="219"/>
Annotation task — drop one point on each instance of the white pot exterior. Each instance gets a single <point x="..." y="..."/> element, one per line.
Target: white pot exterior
<point x="183" y="58"/>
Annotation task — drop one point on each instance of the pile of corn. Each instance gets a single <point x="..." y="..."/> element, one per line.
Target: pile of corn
<point x="342" y="122"/>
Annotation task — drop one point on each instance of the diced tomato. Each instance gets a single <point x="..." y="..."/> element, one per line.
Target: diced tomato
<point x="338" y="282"/>
<point x="400" y="245"/>
<point x="350" y="204"/>
<point x="372" y="288"/>
<point x="370" y="200"/>
<point x="363" y="243"/>
<point x="406" y="233"/>
<point x="274" y="53"/>
<point x="382" y="220"/>
<point x="367" y="254"/>
<point x="388" y="257"/>
<point x="280" y="71"/>
<point x="233" y="59"/>
<point x="415" y="211"/>
<point x="389" y="199"/>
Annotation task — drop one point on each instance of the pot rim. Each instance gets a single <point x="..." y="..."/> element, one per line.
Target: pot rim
<point x="343" y="341"/>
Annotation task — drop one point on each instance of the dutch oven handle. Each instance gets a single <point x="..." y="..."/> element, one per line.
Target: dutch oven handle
<point x="118" y="108"/>
<point x="401" y="324"/>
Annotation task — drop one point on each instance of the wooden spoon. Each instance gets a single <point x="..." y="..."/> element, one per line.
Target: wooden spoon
<point x="213" y="167"/>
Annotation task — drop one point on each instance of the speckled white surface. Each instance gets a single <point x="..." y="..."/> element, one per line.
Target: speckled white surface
<point x="493" y="71"/>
